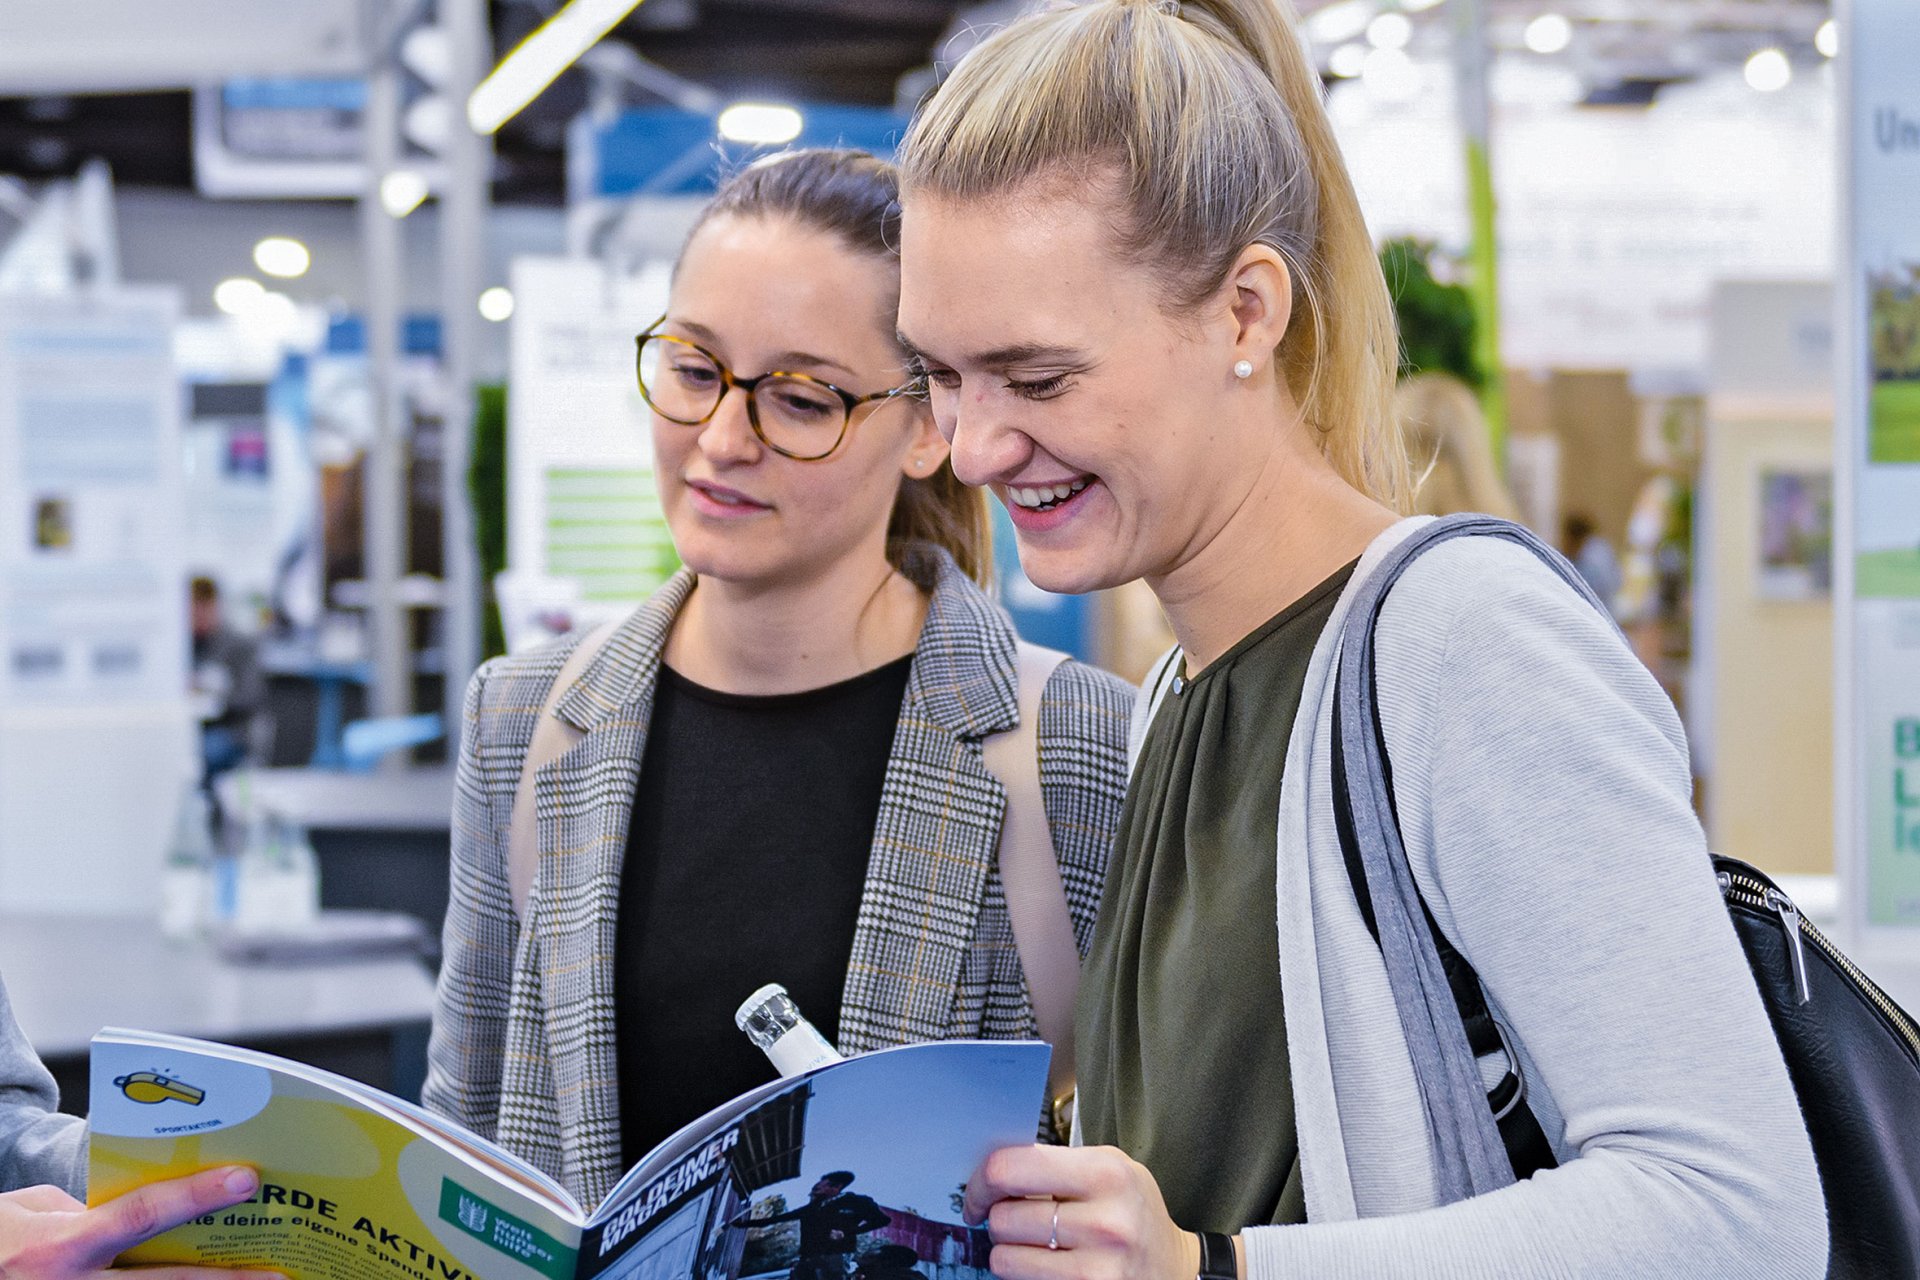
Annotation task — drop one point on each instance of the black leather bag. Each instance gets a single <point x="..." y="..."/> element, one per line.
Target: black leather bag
<point x="1852" y="1053"/>
<point x="1854" y="1056"/>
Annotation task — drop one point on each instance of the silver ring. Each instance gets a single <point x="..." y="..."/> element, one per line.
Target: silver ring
<point x="1053" y="1233"/>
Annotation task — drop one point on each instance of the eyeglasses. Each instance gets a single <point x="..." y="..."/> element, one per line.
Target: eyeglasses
<point x="794" y="414"/>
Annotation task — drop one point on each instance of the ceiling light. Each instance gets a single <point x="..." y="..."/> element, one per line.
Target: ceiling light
<point x="1548" y="33"/>
<point x="273" y="314"/>
<point x="281" y="256"/>
<point x="238" y="295"/>
<point x="760" y="123"/>
<point x="496" y="304"/>
<point x="1827" y="39"/>
<point x="1391" y="74"/>
<point x="539" y="59"/>
<point x="428" y="122"/>
<point x="1340" y="21"/>
<point x="1348" y="60"/>
<point x="428" y="54"/>
<point x="401" y="192"/>
<point x="1390" y="31"/>
<point x="1418" y="6"/>
<point x="1769" y="70"/>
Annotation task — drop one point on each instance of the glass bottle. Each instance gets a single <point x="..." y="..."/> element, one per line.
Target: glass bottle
<point x="772" y="1020"/>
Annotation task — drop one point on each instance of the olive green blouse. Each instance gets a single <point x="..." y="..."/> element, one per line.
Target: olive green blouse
<point x="1181" y="1041"/>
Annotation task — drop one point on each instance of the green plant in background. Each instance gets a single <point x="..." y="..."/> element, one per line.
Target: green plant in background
<point x="487" y="488"/>
<point x="1437" y="322"/>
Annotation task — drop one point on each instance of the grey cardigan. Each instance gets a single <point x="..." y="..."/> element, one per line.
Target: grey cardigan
<point x="37" y="1144"/>
<point x="1541" y="780"/>
<point x="522" y="1048"/>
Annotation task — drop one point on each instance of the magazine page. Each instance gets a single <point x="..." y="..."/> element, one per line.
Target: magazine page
<point x="352" y="1189"/>
<point x="854" y="1169"/>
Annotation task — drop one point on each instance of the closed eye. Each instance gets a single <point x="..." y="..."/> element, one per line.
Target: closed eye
<point x="1039" y="388"/>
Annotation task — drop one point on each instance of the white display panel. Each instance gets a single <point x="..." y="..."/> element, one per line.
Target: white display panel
<point x="94" y="733"/>
<point x="581" y="502"/>
<point x="1878" y="467"/>
<point x="101" y="46"/>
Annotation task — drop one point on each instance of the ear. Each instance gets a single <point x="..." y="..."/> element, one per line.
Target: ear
<point x="926" y="447"/>
<point x="1259" y="289"/>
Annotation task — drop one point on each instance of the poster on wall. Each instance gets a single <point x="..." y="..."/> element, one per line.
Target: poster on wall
<point x="586" y="538"/>
<point x="95" y="737"/>
<point x="1880" y="450"/>
<point x="1796" y="534"/>
<point x="91" y="609"/>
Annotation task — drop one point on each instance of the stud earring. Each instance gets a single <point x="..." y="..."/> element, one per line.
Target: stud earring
<point x="1243" y="369"/>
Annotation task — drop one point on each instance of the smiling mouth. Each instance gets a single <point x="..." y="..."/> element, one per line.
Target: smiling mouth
<point x="1045" y="497"/>
<point x="724" y="497"/>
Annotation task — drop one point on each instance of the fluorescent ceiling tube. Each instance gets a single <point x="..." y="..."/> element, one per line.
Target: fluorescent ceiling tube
<point x="524" y="74"/>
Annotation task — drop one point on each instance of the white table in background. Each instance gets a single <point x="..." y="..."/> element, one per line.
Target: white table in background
<point x="68" y="976"/>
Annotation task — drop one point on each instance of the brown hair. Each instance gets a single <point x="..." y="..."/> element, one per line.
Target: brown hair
<point x="1210" y="115"/>
<point x="856" y="196"/>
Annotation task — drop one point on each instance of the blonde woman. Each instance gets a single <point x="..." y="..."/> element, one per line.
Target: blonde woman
<point x="1447" y="438"/>
<point x="781" y="775"/>
<point x="1139" y="284"/>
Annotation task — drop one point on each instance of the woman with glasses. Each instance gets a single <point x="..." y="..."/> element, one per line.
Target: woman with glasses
<point x="1136" y="274"/>
<point x="781" y="776"/>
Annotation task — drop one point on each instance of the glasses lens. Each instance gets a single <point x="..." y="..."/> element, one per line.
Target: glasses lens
<point x="680" y="381"/>
<point x="801" y="417"/>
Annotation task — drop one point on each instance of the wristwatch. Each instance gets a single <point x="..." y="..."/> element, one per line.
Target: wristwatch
<point x="1217" y="1260"/>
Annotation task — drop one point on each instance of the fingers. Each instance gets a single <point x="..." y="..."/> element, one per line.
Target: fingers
<point x="1024" y="1262"/>
<point x="119" y="1224"/>
<point x="44" y="1199"/>
<point x="1060" y="1173"/>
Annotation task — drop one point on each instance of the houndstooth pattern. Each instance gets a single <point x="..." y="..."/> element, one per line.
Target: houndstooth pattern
<point x="523" y="1047"/>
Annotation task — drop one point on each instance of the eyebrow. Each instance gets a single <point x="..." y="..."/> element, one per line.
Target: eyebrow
<point x="1012" y="354"/>
<point x="786" y="361"/>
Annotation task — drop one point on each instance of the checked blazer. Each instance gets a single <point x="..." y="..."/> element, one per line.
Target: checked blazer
<point x="523" y="1047"/>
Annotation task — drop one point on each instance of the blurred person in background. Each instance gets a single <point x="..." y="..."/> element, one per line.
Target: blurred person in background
<point x="228" y="687"/>
<point x="780" y="778"/>
<point x="1582" y="542"/>
<point x="1451" y="448"/>
<point x="1137" y="278"/>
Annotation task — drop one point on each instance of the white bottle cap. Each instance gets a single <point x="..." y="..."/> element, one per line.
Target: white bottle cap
<point x="754" y="1001"/>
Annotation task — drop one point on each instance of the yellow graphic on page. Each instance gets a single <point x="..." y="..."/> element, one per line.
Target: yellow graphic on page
<point x="152" y="1088"/>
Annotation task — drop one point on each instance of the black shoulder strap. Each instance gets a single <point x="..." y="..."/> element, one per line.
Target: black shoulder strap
<point x="1520" y="1132"/>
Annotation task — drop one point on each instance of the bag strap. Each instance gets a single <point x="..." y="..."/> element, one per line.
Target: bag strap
<point x="1030" y="873"/>
<point x="1436" y="992"/>
<point x="552" y="738"/>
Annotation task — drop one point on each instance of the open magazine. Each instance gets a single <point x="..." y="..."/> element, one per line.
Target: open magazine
<point x="851" y="1169"/>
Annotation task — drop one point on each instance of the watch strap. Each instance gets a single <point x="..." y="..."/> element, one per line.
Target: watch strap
<point x="1217" y="1260"/>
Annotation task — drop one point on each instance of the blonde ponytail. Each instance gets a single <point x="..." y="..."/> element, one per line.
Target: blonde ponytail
<point x="1211" y="114"/>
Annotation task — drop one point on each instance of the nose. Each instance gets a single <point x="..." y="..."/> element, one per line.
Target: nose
<point x="984" y="447"/>
<point x="727" y="437"/>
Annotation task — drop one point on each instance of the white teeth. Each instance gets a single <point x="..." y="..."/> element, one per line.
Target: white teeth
<point x="1028" y="497"/>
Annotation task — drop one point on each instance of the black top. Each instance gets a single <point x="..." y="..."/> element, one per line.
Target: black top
<point x="1182" y="1042"/>
<point x="746" y="858"/>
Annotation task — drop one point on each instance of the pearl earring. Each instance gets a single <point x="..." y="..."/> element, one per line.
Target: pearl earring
<point x="1243" y="369"/>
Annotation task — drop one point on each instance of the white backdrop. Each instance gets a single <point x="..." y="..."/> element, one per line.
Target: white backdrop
<point x="1614" y="222"/>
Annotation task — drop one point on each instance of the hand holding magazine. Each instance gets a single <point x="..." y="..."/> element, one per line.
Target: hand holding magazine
<point x="852" y="1169"/>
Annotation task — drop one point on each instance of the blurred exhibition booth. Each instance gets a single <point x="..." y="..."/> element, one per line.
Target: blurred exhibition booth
<point x="330" y="303"/>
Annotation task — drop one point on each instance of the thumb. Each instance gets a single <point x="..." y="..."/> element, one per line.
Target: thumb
<point x="116" y="1226"/>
